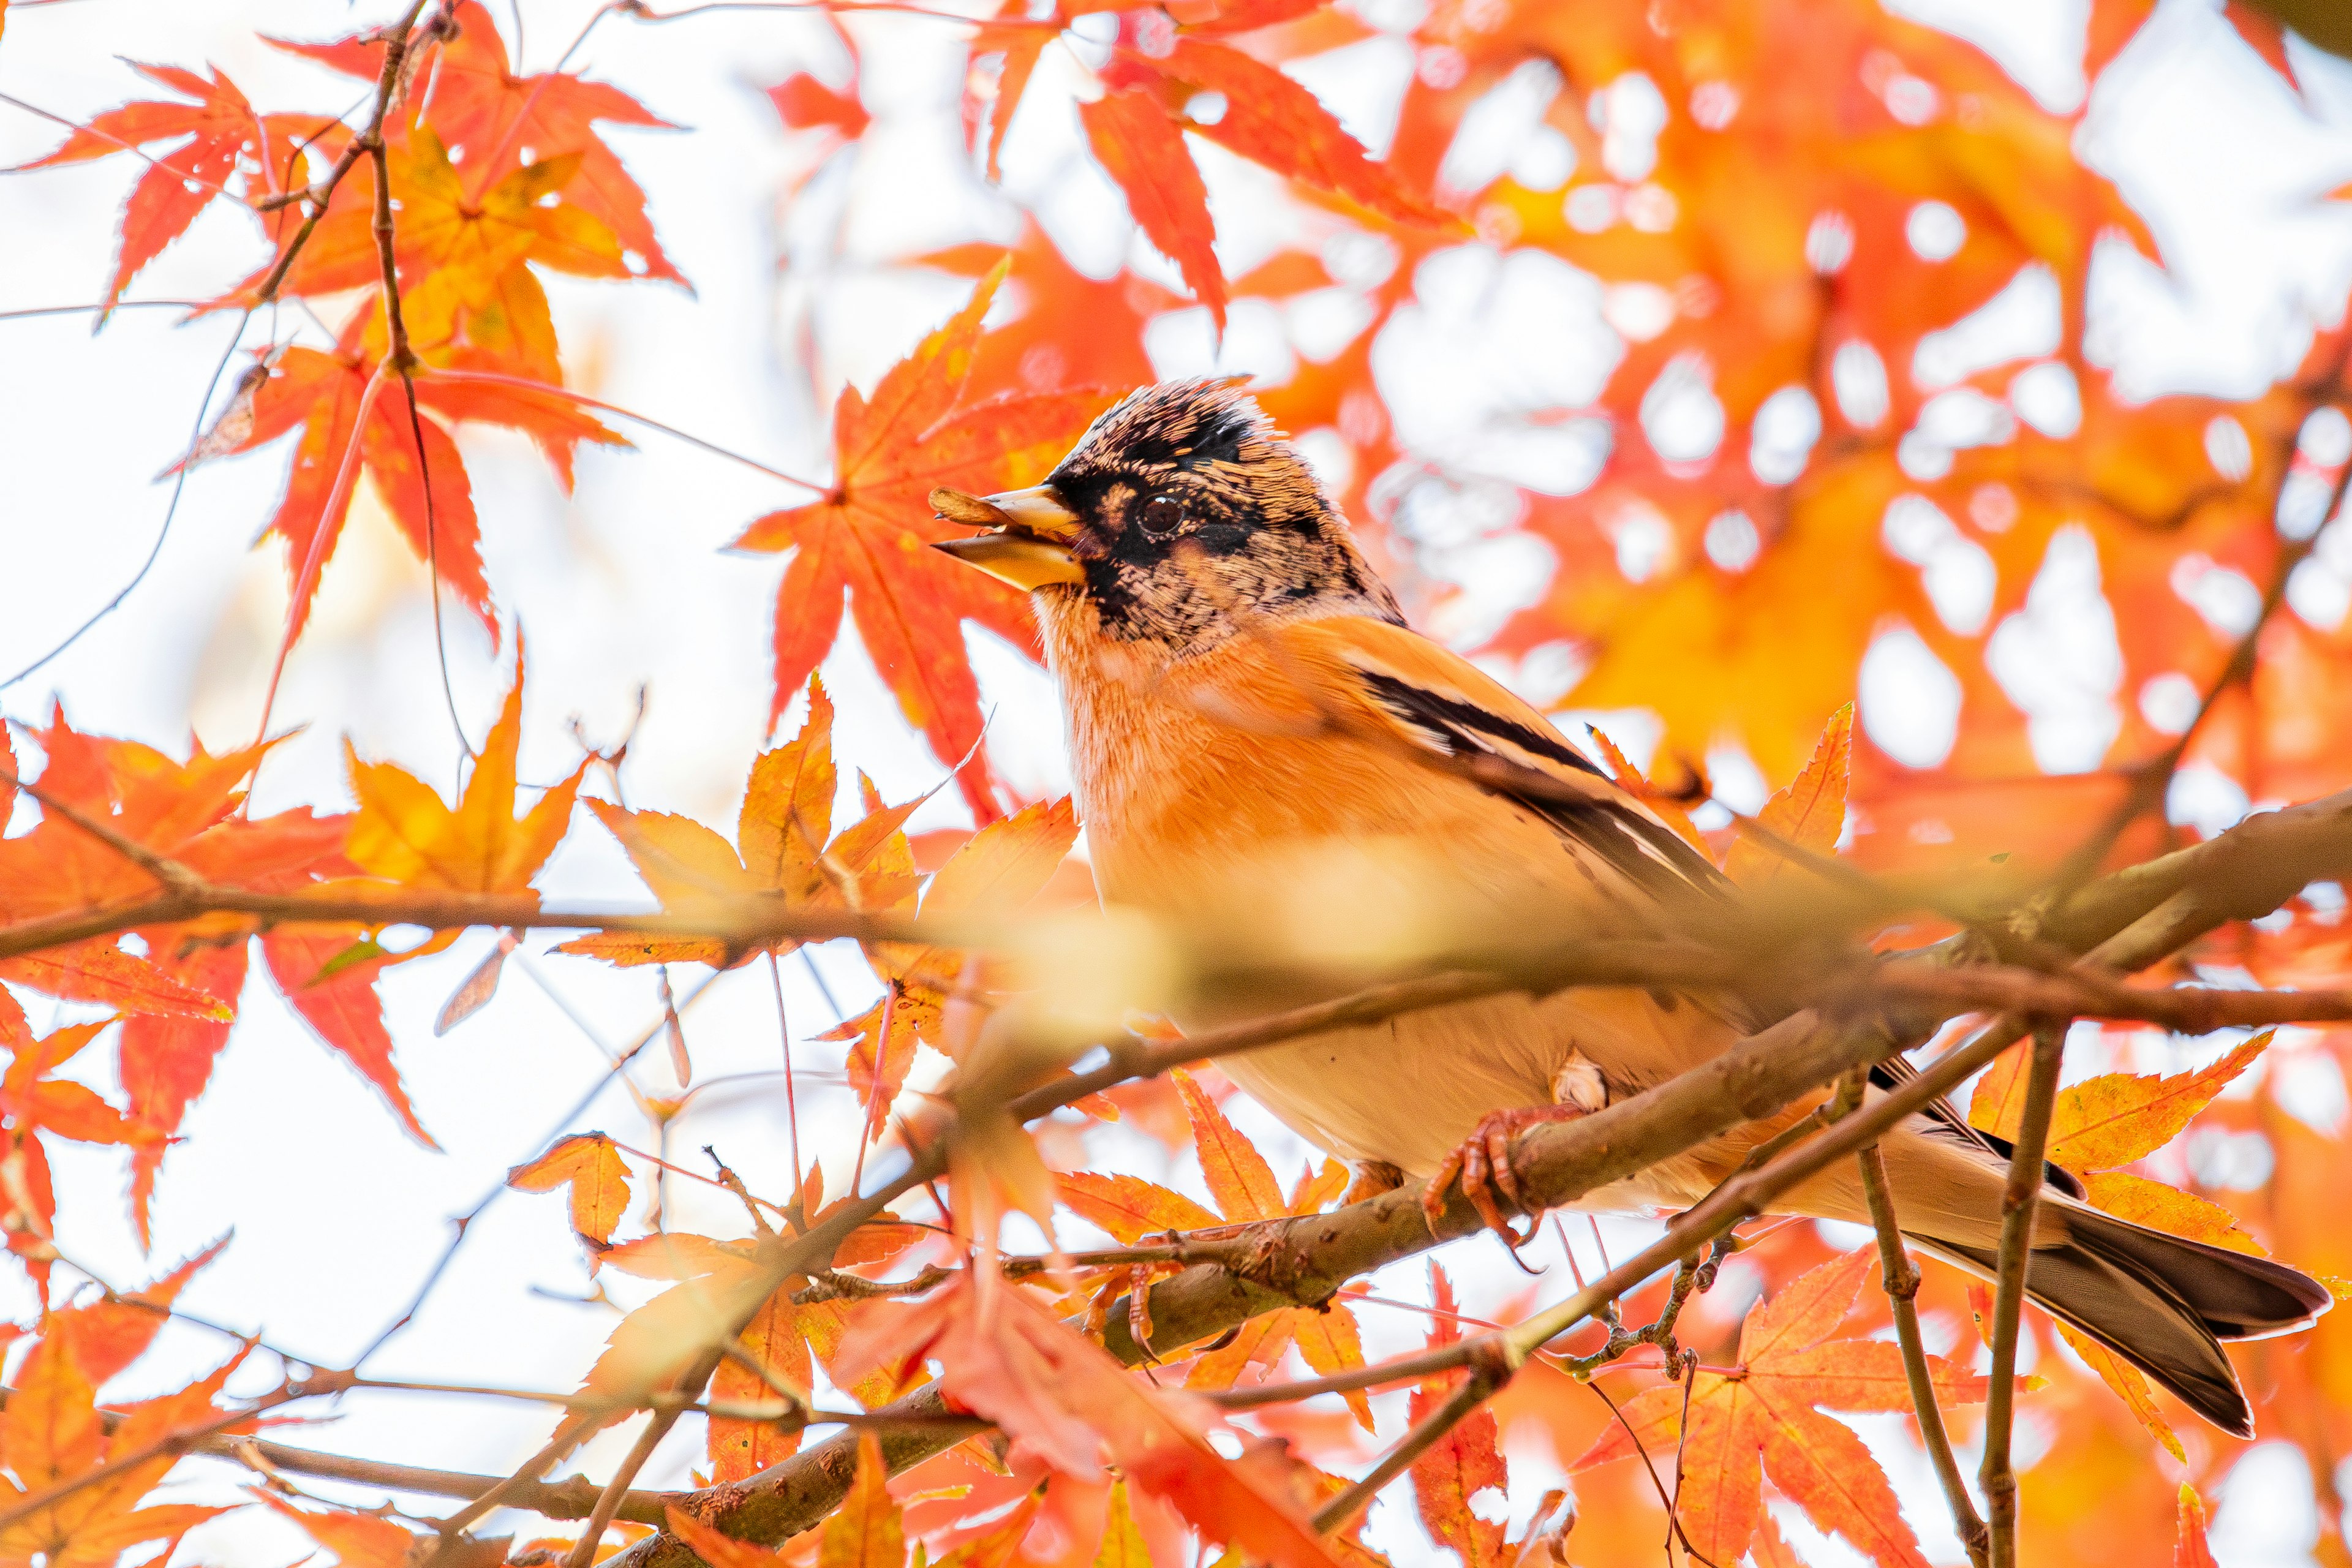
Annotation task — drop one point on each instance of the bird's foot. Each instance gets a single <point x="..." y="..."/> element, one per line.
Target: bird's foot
<point x="1482" y="1164"/>
<point x="1373" y="1177"/>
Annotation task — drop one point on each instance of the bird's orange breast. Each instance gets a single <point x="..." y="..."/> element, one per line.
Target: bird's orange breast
<point x="1216" y="795"/>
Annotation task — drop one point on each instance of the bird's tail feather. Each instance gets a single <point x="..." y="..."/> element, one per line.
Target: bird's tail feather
<point x="2162" y="1302"/>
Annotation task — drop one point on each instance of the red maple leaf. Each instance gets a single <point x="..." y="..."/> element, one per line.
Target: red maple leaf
<point x="222" y="134"/>
<point x="864" y="541"/>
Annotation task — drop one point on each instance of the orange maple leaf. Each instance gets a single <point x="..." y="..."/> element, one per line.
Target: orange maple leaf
<point x="1062" y="1394"/>
<point x="1328" y="1339"/>
<point x="995" y="872"/>
<point x="480" y="104"/>
<point x="597" y="1176"/>
<point x="223" y="136"/>
<point x="1760" y="1417"/>
<point x="403" y="833"/>
<point x="2111" y="1119"/>
<point x="1809" y="814"/>
<point x="52" y="1433"/>
<point x="863" y="544"/>
<point x="453" y="249"/>
<point x="357" y="1539"/>
<point x="2191" y="1549"/>
<point x="1465" y="1461"/>
<point x="1137" y="131"/>
<point x="784" y="848"/>
<point x="1142" y="150"/>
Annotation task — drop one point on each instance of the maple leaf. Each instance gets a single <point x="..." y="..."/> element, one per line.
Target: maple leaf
<point x="1129" y="1207"/>
<point x="2168" y="1208"/>
<point x="1266" y="117"/>
<point x="1465" y="1461"/>
<point x="1668" y="807"/>
<point x="2129" y="1383"/>
<point x="342" y="1008"/>
<point x="51" y="1433"/>
<point x="1809" y="814"/>
<point x="1019" y="43"/>
<point x="501" y="119"/>
<point x="784" y="848"/>
<point x="1761" y="1418"/>
<point x="1122" y="1544"/>
<point x="715" y="1549"/>
<point x="1142" y="150"/>
<point x="1329" y="1338"/>
<point x="865" y="1531"/>
<point x="348" y="414"/>
<point x="165" y="1061"/>
<point x="1064" y="1395"/>
<point x="2191" y="1550"/>
<point x="1073" y="329"/>
<point x="656" y="1344"/>
<point x="806" y="103"/>
<point x="109" y="1333"/>
<point x="594" y="1171"/>
<point x="453" y="249"/>
<point x="176" y="809"/>
<point x="864" y="543"/>
<point x="994" y="873"/>
<point x="357" y="1539"/>
<point x="32" y="1098"/>
<point x="222" y="134"/>
<point x="775" y="1339"/>
<point x="2114" y="1119"/>
<point x="403" y="833"/>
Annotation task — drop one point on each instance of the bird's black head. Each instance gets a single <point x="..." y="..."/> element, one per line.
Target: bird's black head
<point x="1180" y="514"/>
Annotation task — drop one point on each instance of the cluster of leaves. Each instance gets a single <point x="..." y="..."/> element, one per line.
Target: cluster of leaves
<point x="1761" y="245"/>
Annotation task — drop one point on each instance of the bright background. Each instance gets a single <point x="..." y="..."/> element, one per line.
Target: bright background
<point x="624" y="588"/>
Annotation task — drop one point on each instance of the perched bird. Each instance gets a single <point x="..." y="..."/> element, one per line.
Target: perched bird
<point x="1263" y="747"/>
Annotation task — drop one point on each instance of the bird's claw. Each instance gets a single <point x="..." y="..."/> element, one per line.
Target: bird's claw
<point x="1482" y="1162"/>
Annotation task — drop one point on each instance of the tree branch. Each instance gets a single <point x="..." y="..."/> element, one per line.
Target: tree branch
<point x="1900" y="1278"/>
<point x="315" y="199"/>
<point x="2019" y="1202"/>
<point x="2130" y="918"/>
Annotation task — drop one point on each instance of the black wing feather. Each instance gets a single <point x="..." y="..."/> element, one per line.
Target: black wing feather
<point x="1643" y="850"/>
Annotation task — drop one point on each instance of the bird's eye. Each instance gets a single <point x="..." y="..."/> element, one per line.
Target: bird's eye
<point x="1162" y="516"/>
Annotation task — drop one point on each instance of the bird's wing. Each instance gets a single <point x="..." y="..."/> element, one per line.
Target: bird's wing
<point x="1427" y="698"/>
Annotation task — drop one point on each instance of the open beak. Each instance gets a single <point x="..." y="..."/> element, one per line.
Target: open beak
<point x="1029" y="537"/>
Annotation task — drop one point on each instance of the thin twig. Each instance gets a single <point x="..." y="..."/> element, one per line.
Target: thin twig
<point x="174" y="877"/>
<point x="171" y="508"/>
<point x="492" y="378"/>
<point x="319" y="195"/>
<point x="657" y="1426"/>
<point x="1483" y="1381"/>
<point x="32" y="1504"/>
<point x="1900" y="1278"/>
<point x="2019" y="1201"/>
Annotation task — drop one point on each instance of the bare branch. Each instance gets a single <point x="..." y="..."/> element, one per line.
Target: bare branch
<point x="1900" y="1276"/>
<point x="2019" y="1201"/>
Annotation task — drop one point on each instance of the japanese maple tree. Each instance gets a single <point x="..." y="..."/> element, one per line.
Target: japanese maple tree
<point x="1755" y="385"/>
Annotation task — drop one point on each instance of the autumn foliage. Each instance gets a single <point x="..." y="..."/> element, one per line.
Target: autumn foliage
<point x="1643" y="343"/>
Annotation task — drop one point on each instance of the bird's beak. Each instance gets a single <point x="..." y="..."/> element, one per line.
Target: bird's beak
<point x="1029" y="537"/>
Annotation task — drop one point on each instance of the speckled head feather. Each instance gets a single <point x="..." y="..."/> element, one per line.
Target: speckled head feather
<point x="1198" y="515"/>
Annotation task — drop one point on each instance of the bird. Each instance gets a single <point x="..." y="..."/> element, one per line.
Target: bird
<point x="1262" y="747"/>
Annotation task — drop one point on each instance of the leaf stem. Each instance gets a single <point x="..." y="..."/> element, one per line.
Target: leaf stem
<point x="522" y="384"/>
